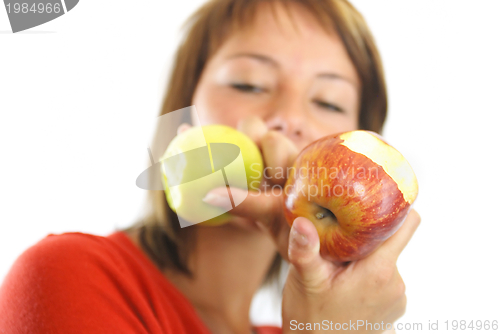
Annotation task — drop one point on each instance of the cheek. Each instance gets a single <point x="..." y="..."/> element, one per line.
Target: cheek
<point x="331" y="124"/>
<point x="214" y="106"/>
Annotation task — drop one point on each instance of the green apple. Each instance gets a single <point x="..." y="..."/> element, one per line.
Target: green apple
<point x="203" y="158"/>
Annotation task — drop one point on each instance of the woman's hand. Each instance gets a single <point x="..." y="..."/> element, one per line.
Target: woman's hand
<point x="365" y="291"/>
<point x="317" y="291"/>
<point x="264" y="207"/>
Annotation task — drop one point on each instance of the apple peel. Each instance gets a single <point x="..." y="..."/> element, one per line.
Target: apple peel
<point x="383" y="154"/>
<point x="357" y="190"/>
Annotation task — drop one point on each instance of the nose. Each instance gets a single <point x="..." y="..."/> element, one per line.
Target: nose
<point x="288" y="116"/>
<point x="289" y="127"/>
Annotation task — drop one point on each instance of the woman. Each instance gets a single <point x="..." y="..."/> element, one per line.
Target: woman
<point x="285" y="73"/>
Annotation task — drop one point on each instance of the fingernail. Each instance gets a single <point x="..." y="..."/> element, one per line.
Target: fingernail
<point x="215" y="199"/>
<point x="183" y="127"/>
<point x="299" y="238"/>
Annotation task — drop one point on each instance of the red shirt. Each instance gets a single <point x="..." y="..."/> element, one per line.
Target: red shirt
<point x="82" y="283"/>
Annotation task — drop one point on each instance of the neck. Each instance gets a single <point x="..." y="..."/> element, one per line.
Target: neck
<point x="229" y="265"/>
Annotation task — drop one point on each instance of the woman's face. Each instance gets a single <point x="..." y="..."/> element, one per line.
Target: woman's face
<point x="301" y="83"/>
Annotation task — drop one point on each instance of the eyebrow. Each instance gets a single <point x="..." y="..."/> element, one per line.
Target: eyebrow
<point x="274" y="63"/>
<point x="262" y="58"/>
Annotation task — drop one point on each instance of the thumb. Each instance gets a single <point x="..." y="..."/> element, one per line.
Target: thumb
<point x="303" y="253"/>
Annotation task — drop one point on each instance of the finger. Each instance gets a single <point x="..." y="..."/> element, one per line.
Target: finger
<point x="253" y="127"/>
<point x="303" y="253"/>
<point x="393" y="246"/>
<point x="256" y="205"/>
<point x="183" y="127"/>
<point x="279" y="153"/>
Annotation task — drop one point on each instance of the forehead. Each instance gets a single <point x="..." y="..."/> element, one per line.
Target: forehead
<point x="292" y="36"/>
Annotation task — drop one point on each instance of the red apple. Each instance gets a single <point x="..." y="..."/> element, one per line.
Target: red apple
<point x="355" y="188"/>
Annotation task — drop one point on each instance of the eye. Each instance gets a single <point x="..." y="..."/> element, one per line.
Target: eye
<point x="329" y="106"/>
<point x="247" y="88"/>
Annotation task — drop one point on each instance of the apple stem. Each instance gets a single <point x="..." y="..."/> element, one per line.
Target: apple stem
<point x="320" y="215"/>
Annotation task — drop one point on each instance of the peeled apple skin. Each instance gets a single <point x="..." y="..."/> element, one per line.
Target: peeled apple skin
<point x="354" y="213"/>
<point x="214" y="133"/>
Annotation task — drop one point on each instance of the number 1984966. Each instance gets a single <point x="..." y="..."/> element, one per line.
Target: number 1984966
<point x="34" y="8"/>
<point x="471" y="325"/>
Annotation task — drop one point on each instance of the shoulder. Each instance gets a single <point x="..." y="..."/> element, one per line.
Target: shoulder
<point x="70" y="261"/>
<point x="56" y="250"/>
<point x="60" y="256"/>
<point x="59" y="280"/>
<point x="62" y="246"/>
<point x="56" y="261"/>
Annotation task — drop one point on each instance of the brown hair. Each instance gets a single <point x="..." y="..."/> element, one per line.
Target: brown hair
<point x="160" y="235"/>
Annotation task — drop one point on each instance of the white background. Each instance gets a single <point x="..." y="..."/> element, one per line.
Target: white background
<point x="78" y="98"/>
